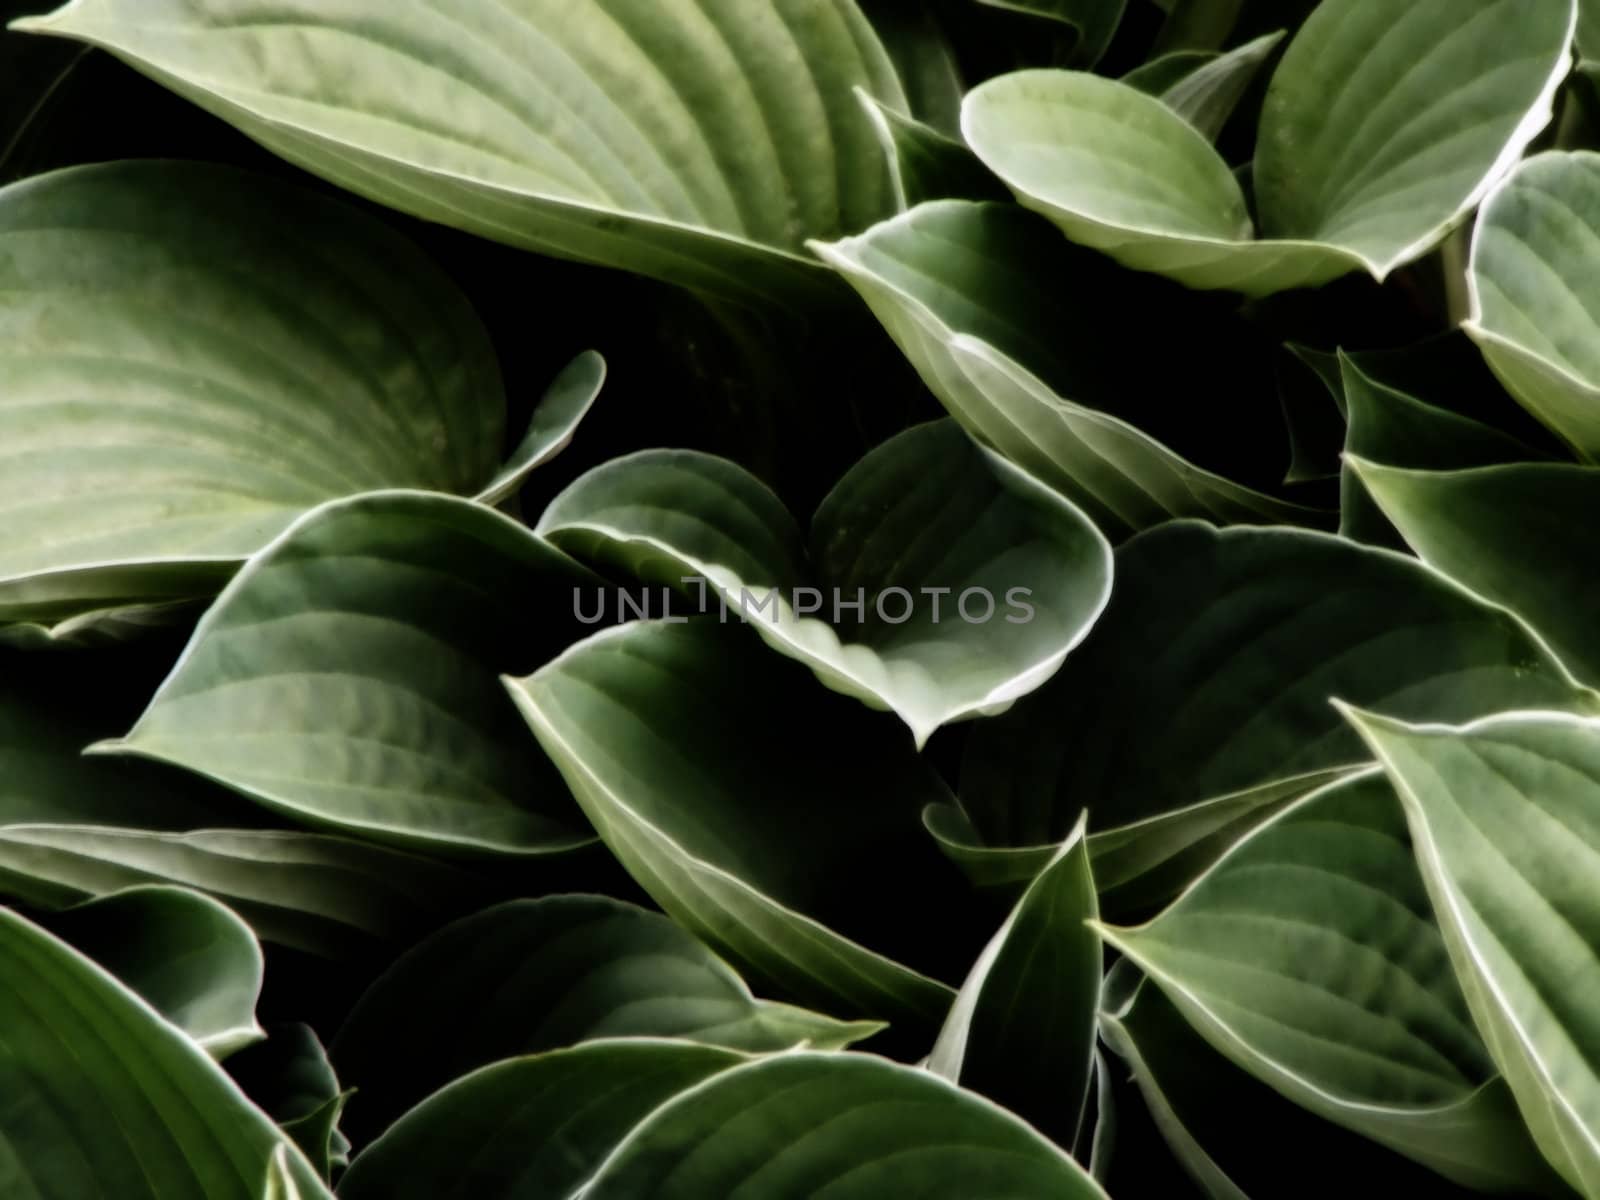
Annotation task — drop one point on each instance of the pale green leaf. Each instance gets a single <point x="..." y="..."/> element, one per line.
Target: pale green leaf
<point x="1503" y="813"/>
<point x="696" y="141"/>
<point x="105" y="1100"/>
<point x="692" y="749"/>
<point x="1207" y="94"/>
<point x="193" y="356"/>
<point x="974" y="581"/>
<point x="1007" y="332"/>
<point x="1532" y="285"/>
<point x="925" y="164"/>
<point x="555" y="420"/>
<point x="1377" y="136"/>
<point x="348" y="676"/>
<point x="849" y="1127"/>
<point x="540" y="974"/>
<point x="1022" y="1029"/>
<point x="1309" y="957"/>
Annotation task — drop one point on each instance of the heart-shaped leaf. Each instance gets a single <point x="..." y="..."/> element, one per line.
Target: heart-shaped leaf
<point x="1022" y="1029"/>
<point x="104" y="1098"/>
<point x="970" y="581"/>
<point x="658" y="136"/>
<point x="540" y="974"/>
<point x="1307" y="956"/>
<point x="530" y="1128"/>
<point x="1378" y="134"/>
<point x="1508" y="533"/>
<point x="1503" y="815"/>
<point x="186" y="955"/>
<point x="194" y="356"/>
<point x="348" y="677"/>
<point x="1533" y="293"/>
<point x="691" y="749"/>
<point x="849" y="1127"/>
<point x="327" y="896"/>
<point x="1240" y="638"/>
<point x="970" y="293"/>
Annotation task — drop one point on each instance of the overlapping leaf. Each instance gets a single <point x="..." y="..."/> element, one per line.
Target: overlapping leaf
<point x="541" y="974"/>
<point x="971" y="582"/>
<point x="348" y="677"/>
<point x="1378" y="134"/>
<point x="697" y="141"/>
<point x="1504" y="818"/>
<point x="1022" y="1029"/>
<point x="105" y="1100"/>
<point x="693" y="750"/>
<point x="1011" y="333"/>
<point x="1210" y="675"/>
<point x="1309" y="957"/>
<point x="194" y="356"/>
<point x="1203" y="88"/>
<point x="1533" y="295"/>
<point x="1508" y="533"/>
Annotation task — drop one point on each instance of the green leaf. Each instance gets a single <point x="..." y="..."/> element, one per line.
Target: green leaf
<point x="290" y="1077"/>
<point x="975" y="580"/>
<point x="924" y="164"/>
<point x="925" y="60"/>
<point x="1534" y="257"/>
<point x="1094" y="22"/>
<point x="530" y="1128"/>
<point x="327" y="896"/>
<point x="186" y="955"/>
<point x="1503" y="815"/>
<point x="1022" y="1029"/>
<point x="1211" y="671"/>
<point x="669" y="734"/>
<point x="1377" y="136"/>
<point x="850" y="1127"/>
<point x="1392" y="427"/>
<point x="1510" y="534"/>
<point x="555" y="420"/>
<point x="1307" y="955"/>
<point x="967" y="291"/>
<point x="1196" y="1098"/>
<point x="699" y="143"/>
<point x="105" y="1099"/>
<point x="541" y="974"/>
<point x="348" y="677"/>
<point x="1204" y="89"/>
<point x="194" y="356"/>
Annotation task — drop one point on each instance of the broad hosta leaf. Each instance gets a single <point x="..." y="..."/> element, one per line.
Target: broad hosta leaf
<point x="1378" y="134"/>
<point x="969" y="294"/>
<point x="190" y="959"/>
<point x="107" y="1101"/>
<point x="975" y="580"/>
<point x="1022" y="1029"/>
<point x="697" y="141"/>
<point x="693" y="750"/>
<point x="328" y="896"/>
<point x="540" y="974"/>
<point x="290" y="1078"/>
<point x="1308" y="956"/>
<point x="1503" y="815"/>
<point x="1392" y="427"/>
<point x="530" y="1128"/>
<point x="348" y="677"/>
<point x="849" y="1127"/>
<point x="1533" y="295"/>
<point x="1240" y="637"/>
<point x="1205" y="88"/>
<point x="194" y="356"/>
<point x="924" y="164"/>
<point x="1514" y="535"/>
<point x="1197" y="1096"/>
